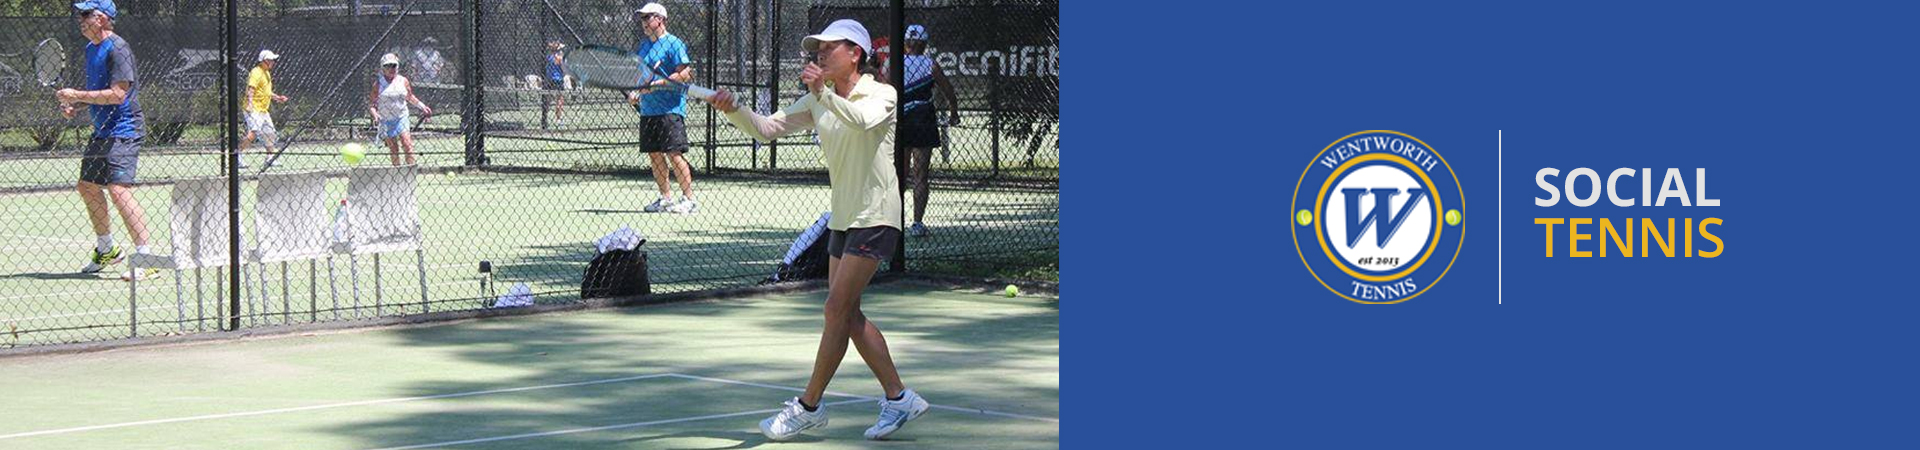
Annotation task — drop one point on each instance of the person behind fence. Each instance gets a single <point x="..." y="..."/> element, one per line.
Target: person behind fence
<point x="557" y="79"/>
<point x="854" y="115"/>
<point x="388" y="102"/>
<point x="663" y="112"/>
<point x="112" y="156"/>
<point x="919" y="123"/>
<point x="260" y="97"/>
<point x="427" y="61"/>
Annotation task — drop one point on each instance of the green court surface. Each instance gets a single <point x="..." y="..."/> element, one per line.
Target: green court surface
<point x="686" y="376"/>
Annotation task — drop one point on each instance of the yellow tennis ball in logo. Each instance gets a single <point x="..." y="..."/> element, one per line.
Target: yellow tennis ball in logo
<point x="353" y="153"/>
<point x="1453" y="217"/>
<point x="1304" y="217"/>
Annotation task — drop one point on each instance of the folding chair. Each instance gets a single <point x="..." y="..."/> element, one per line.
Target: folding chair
<point x="198" y="227"/>
<point x="289" y="225"/>
<point x="383" y="217"/>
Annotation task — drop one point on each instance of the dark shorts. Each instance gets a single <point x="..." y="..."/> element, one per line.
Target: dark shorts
<point x="554" y="85"/>
<point x="663" y="133"/>
<point x="872" y="242"/>
<point x="110" y="161"/>
<point x="918" y="129"/>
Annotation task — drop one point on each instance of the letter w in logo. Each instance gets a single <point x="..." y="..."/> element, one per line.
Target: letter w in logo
<point x="1382" y="213"/>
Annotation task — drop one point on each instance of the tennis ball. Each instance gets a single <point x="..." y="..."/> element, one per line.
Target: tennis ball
<point x="1305" y="217"/>
<point x="1453" y="217"/>
<point x="352" y="153"/>
<point x="1013" y="291"/>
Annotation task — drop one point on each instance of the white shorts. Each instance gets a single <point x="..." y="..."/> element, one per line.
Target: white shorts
<point x="261" y="125"/>
<point x="394" y="127"/>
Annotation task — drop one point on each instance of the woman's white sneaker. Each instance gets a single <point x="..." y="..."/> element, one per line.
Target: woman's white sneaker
<point x="792" y="420"/>
<point x="896" y="413"/>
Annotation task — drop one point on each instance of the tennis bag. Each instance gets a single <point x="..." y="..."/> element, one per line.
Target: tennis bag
<point x="806" y="258"/>
<point x="616" y="273"/>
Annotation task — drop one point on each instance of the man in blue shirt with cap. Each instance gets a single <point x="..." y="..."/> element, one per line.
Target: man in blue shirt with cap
<point x="112" y="157"/>
<point x="663" y="111"/>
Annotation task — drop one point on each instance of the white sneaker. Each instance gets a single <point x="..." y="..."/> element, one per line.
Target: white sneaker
<point x="658" y="205"/>
<point x="792" y="420"/>
<point x="687" y="206"/>
<point x="896" y="413"/>
<point x="141" y="274"/>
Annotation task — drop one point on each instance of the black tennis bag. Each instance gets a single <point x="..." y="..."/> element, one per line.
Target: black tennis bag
<point x="616" y="273"/>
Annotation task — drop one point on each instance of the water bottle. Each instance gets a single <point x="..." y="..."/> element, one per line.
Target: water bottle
<point x="340" y="222"/>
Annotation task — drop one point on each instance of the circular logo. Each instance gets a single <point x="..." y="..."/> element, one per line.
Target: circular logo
<point x="1378" y="217"/>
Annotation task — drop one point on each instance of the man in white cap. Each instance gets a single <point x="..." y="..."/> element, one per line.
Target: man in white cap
<point x="260" y="97"/>
<point x="663" y="112"/>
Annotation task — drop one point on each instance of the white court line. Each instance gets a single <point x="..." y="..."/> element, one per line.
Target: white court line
<point x="604" y="428"/>
<point x="1499" y="220"/>
<point x="44" y="238"/>
<point x="325" y="406"/>
<point x="863" y="397"/>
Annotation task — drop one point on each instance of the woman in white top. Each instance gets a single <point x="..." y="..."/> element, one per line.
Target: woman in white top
<point x="388" y="105"/>
<point x="854" y="116"/>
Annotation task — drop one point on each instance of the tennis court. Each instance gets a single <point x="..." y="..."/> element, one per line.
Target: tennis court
<point x="689" y="375"/>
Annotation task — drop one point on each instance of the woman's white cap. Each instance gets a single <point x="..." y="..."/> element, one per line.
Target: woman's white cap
<point x="840" y="30"/>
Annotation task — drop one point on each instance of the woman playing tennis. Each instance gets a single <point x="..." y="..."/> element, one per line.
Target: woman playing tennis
<point x="388" y="102"/>
<point x="854" y="116"/>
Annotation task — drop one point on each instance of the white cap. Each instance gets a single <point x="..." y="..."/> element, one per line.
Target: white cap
<point x="916" y="33"/>
<point x="389" y="60"/>
<point x="268" y="55"/>
<point x="840" y="30"/>
<point x="652" y="8"/>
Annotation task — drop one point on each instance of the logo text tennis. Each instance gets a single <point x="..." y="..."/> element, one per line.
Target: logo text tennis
<point x="1378" y="217"/>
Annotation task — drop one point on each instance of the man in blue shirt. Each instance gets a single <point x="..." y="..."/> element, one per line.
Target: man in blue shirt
<point x="663" y="111"/>
<point x="113" y="154"/>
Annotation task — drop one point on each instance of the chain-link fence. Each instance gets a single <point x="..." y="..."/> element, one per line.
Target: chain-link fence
<point x="513" y="171"/>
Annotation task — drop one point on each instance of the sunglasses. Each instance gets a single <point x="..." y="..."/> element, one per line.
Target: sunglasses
<point x="84" y="13"/>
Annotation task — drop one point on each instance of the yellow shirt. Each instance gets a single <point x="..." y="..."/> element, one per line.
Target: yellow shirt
<point x="856" y="143"/>
<point x="261" y="83"/>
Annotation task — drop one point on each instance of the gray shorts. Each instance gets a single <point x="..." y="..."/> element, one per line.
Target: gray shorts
<point x="876" y="243"/>
<point x="111" y="161"/>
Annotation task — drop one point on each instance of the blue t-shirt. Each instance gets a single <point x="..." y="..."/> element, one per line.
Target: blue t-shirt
<point x="109" y="62"/>
<point x="555" y="73"/>
<point x="670" y="53"/>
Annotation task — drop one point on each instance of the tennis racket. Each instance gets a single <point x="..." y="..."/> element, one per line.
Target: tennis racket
<point x="612" y="68"/>
<point x="49" y="62"/>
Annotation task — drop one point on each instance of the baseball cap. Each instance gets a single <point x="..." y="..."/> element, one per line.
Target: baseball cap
<point x="916" y="33"/>
<point x="268" y="55"/>
<point x="104" y="6"/>
<point x="652" y="8"/>
<point x="840" y="30"/>
<point x="389" y="60"/>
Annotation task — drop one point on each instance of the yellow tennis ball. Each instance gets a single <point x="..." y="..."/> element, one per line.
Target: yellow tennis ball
<point x="352" y="153"/>
<point x="1013" y="291"/>
<point x="1453" y="217"/>
<point x="1304" y="217"/>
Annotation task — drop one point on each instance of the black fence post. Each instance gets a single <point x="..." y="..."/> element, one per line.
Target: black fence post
<point x="773" y="85"/>
<point x="713" y="76"/>
<point x="230" y="46"/>
<point x="897" y="76"/>
<point x="473" y="100"/>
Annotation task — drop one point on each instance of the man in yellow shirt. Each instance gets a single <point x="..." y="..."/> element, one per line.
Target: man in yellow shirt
<point x="259" y="97"/>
